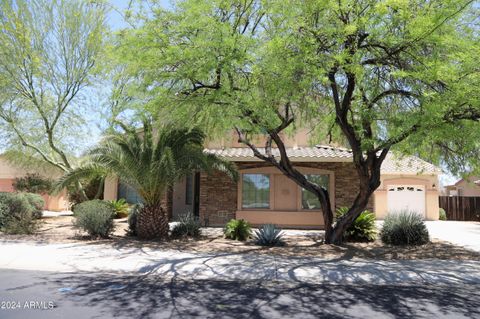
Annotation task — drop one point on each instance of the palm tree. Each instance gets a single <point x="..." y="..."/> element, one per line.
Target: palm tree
<point x="150" y="163"/>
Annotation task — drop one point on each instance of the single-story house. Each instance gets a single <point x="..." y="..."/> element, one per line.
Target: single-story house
<point x="9" y="172"/>
<point x="264" y="195"/>
<point x="468" y="187"/>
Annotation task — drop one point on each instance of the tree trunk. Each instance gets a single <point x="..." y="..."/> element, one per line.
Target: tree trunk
<point x="152" y="222"/>
<point x="100" y="189"/>
<point x="81" y="192"/>
<point x="334" y="235"/>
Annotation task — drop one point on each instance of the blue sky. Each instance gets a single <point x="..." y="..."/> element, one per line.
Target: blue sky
<point x="115" y="19"/>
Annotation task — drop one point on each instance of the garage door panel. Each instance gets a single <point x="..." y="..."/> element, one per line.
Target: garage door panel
<point x="406" y="198"/>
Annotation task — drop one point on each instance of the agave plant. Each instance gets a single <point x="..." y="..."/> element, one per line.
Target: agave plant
<point x="149" y="163"/>
<point x="269" y="235"/>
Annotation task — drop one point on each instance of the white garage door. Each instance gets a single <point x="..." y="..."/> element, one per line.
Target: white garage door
<point x="406" y="197"/>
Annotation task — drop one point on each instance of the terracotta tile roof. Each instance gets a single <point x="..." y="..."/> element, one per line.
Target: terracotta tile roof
<point x="294" y="153"/>
<point x="392" y="164"/>
<point x="407" y="165"/>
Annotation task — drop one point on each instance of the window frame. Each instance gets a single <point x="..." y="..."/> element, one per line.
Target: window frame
<point x="269" y="202"/>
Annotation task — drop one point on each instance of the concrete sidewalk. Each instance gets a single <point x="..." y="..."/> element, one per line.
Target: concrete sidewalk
<point x="78" y="257"/>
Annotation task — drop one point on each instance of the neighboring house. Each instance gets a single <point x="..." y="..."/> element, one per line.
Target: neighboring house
<point x="264" y="195"/>
<point x="8" y="173"/>
<point x="468" y="187"/>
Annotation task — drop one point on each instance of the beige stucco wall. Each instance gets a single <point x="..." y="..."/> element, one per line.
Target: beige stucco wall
<point x="9" y="172"/>
<point x="110" y="190"/>
<point x="58" y="202"/>
<point x="179" y="206"/>
<point x="431" y="192"/>
<point x="303" y="219"/>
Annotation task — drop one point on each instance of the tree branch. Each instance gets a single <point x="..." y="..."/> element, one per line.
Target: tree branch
<point x="392" y="92"/>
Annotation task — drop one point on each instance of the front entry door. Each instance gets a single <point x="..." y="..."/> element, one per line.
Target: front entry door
<point x="196" y="195"/>
<point x="285" y="194"/>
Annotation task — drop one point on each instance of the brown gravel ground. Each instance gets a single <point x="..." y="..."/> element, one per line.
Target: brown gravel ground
<point x="307" y="244"/>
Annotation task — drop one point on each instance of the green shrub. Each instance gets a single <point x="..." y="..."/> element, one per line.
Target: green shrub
<point x="3" y="212"/>
<point x="404" y="228"/>
<point x="362" y="229"/>
<point x="237" y="229"/>
<point x="37" y="202"/>
<point x="120" y="207"/>
<point x="268" y="235"/>
<point x="132" y="219"/>
<point x="17" y="215"/>
<point x="442" y="215"/>
<point x="33" y="183"/>
<point x="95" y="217"/>
<point x="188" y="226"/>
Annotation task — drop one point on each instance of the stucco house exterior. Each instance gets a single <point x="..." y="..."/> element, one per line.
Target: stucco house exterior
<point x="8" y="173"/>
<point x="468" y="187"/>
<point x="264" y="195"/>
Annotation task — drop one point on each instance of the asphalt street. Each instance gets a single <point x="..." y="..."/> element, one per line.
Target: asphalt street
<point x="36" y="294"/>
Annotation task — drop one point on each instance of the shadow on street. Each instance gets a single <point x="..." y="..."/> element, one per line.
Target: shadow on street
<point x="151" y="296"/>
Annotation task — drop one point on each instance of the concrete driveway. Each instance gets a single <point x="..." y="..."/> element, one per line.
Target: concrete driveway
<point x="466" y="234"/>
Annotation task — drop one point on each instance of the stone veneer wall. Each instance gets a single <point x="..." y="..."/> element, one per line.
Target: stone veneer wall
<point x="218" y="198"/>
<point x="218" y="193"/>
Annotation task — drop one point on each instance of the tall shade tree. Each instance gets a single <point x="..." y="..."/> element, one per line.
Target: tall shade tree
<point x="49" y="52"/>
<point x="375" y="75"/>
<point x="149" y="162"/>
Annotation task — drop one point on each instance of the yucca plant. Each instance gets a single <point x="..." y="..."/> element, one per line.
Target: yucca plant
<point x="238" y="229"/>
<point x="120" y="207"/>
<point x="363" y="227"/>
<point x="404" y="228"/>
<point x="150" y="164"/>
<point x="269" y="235"/>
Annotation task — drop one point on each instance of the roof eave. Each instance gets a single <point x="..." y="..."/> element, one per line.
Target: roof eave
<point x="410" y="173"/>
<point x="293" y="159"/>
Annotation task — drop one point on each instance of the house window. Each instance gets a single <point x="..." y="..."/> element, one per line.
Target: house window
<point x="310" y="200"/>
<point x="189" y="190"/>
<point x="128" y="193"/>
<point x="255" y="191"/>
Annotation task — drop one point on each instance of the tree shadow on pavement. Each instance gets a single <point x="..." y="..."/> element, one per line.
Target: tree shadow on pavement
<point x="153" y="296"/>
